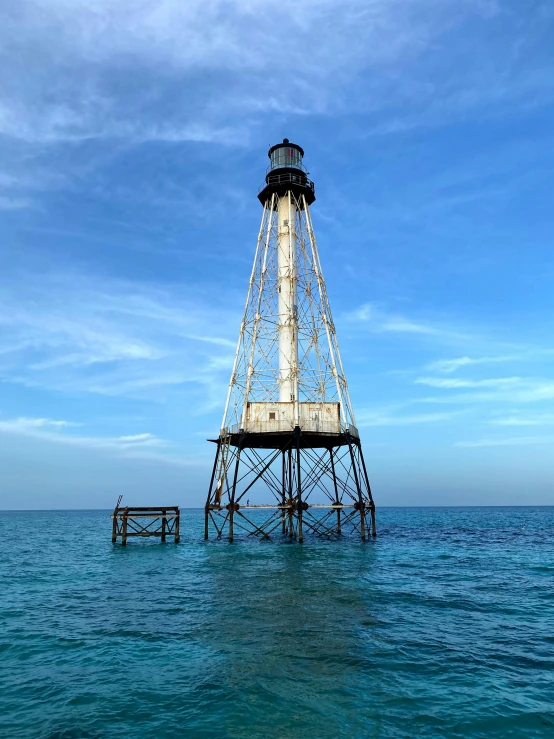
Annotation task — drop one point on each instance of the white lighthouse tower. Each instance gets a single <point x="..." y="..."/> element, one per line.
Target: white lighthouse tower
<point x="288" y="439"/>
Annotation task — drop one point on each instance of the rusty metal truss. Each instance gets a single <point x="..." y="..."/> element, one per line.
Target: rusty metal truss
<point x="318" y="371"/>
<point x="323" y="491"/>
<point x="288" y="438"/>
<point x="161" y="521"/>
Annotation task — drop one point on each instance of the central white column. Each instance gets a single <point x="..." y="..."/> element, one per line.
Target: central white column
<point x="288" y="337"/>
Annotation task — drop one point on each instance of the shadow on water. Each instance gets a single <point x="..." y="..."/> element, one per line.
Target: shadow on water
<point x="288" y="620"/>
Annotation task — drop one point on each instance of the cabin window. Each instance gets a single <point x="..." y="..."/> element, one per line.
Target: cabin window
<point x="272" y="416"/>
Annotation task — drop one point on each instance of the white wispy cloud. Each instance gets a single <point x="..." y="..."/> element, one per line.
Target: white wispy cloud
<point x="62" y="51"/>
<point x="14" y="203"/>
<point x="452" y="365"/>
<point x="28" y="424"/>
<point x="379" y="320"/>
<point x="217" y="340"/>
<point x="504" y="390"/>
<point x="81" y="71"/>
<point x="375" y="418"/>
<point x="77" y="333"/>
<point x="453" y="383"/>
<point x="53" y="430"/>
<point x="135" y="437"/>
<point x="137" y="446"/>
<point x="511" y="441"/>
<point x="22" y="178"/>
<point x="537" y="419"/>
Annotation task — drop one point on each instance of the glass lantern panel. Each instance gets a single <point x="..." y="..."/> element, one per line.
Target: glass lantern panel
<point x="286" y="156"/>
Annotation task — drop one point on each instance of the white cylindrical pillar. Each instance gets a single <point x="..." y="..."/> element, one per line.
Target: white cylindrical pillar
<point x="286" y="263"/>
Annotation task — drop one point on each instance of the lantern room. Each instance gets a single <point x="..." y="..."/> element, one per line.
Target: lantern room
<point x="286" y="155"/>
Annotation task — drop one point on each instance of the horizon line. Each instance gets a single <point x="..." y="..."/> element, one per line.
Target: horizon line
<point x="201" y="508"/>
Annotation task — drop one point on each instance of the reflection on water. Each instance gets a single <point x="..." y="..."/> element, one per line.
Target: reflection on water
<point x="291" y="636"/>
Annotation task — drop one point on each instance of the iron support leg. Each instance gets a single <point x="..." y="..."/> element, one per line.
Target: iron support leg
<point x="232" y="501"/>
<point x="372" y="508"/>
<point x="291" y="514"/>
<point x="207" y="509"/>
<point x="284" y="496"/>
<point x="331" y="452"/>
<point x="299" y="486"/>
<point x="360" y="499"/>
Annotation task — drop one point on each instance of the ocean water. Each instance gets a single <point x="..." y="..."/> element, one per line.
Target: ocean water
<point x="442" y="627"/>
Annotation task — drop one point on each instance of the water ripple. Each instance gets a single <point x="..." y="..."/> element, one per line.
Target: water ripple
<point x="440" y="628"/>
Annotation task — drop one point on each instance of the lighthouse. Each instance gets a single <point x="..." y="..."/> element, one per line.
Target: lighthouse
<point x="288" y="460"/>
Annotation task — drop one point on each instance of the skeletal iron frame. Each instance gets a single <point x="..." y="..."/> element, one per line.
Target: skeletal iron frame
<point x="333" y="463"/>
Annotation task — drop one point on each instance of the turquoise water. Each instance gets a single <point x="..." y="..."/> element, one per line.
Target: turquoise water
<point x="442" y="627"/>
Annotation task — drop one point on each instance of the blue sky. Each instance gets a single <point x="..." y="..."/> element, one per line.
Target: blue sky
<point x="133" y="139"/>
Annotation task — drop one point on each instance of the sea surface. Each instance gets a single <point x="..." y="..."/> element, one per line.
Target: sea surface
<point x="441" y="627"/>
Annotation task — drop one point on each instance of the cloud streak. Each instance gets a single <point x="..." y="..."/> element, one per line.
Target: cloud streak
<point x="539" y="419"/>
<point x="500" y="383"/>
<point x="452" y="365"/>
<point x="512" y="441"/>
<point x="144" y="446"/>
<point x="374" y="318"/>
<point x="502" y="390"/>
<point x="366" y="419"/>
<point x="51" y="430"/>
<point x="113" y="339"/>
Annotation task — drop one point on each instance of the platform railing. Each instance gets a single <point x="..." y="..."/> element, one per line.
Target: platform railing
<point x="281" y="426"/>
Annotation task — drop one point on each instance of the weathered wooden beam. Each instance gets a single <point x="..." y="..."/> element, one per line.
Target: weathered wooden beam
<point x="127" y="522"/>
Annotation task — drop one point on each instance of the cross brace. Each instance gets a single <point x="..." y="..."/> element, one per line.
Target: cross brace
<point x="297" y="477"/>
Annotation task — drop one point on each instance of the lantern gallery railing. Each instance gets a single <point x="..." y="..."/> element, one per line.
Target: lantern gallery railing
<point x="287" y="178"/>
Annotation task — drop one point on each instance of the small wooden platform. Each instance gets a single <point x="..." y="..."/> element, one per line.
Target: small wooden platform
<point x="162" y="521"/>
